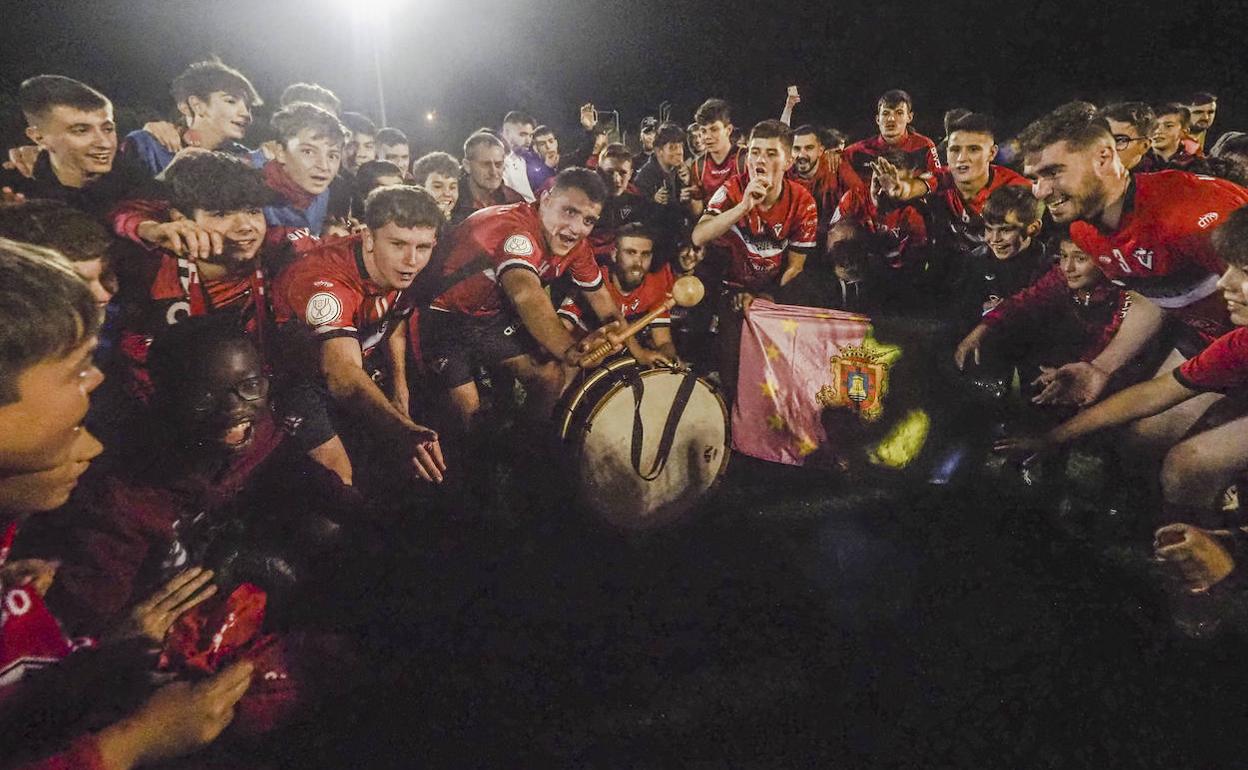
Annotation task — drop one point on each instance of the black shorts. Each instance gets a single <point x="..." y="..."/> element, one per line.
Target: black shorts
<point x="454" y="345"/>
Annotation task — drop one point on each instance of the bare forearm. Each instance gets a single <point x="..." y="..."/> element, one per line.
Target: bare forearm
<point x="352" y="387"/>
<point x="1142" y="322"/>
<point x="1138" y="401"/>
<point x="711" y="227"/>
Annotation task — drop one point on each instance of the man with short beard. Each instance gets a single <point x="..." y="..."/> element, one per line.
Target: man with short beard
<point x="517" y="132"/>
<point x="1150" y="232"/>
<point x="215" y="102"/>
<point x="821" y="172"/>
<point x="1203" y="108"/>
<point x="481" y="185"/>
<point x="646" y="135"/>
<point x="72" y="125"/>
<point x="636" y="289"/>
<point x="438" y="174"/>
<point x="1131" y="123"/>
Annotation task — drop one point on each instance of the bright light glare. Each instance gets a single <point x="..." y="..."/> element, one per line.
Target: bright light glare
<point x="429" y="116"/>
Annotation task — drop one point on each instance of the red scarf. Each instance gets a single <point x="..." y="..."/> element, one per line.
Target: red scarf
<point x="279" y="181"/>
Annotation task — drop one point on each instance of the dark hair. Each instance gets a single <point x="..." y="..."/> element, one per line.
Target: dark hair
<point x="46" y="311"/>
<point x="542" y="130"/>
<point x="1231" y="144"/>
<point x="1075" y="123"/>
<point x="773" y="129"/>
<point x="1232" y="168"/>
<point x="214" y="181"/>
<point x="974" y="122"/>
<point x="669" y="133"/>
<point x="1138" y="114"/>
<point x="736" y="136"/>
<point x="52" y="224"/>
<point x="359" y="123"/>
<point x="482" y="138"/>
<point x="404" y="204"/>
<point x="809" y="128"/>
<point x="1014" y="198"/>
<point x="435" y="162"/>
<point x="903" y="160"/>
<point x="953" y="116"/>
<point x="831" y="137"/>
<point x="38" y="95"/>
<point x="391" y="137"/>
<point x="711" y="111"/>
<point x="176" y="349"/>
<point x="311" y="93"/>
<point x="367" y="174"/>
<point x="634" y="230"/>
<point x="895" y="98"/>
<point x="204" y="78"/>
<point x="1230" y="239"/>
<point x="1202" y="97"/>
<point x="1174" y="108"/>
<point x="586" y="180"/>
<point x="289" y="121"/>
<point x="515" y="117"/>
<point x="617" y="151"/>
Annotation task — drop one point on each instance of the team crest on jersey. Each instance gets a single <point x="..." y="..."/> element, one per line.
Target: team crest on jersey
<point x="778" y="228"/>
<point x="1207" y="219"/>
<point x="518" y="245"/>
<point x="625" y="211"/>
<point x="323" y="308"/>
<point x="1144" y="257"/>
<point x="859" y="380"/>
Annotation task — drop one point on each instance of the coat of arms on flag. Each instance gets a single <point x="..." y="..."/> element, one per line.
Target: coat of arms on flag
<point x="859" y="381"/>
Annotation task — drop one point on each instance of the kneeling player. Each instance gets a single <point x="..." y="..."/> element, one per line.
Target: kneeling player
<point x="346" y="303"/>
<point x="495" y="309"/>
<point x="635" y="290"/>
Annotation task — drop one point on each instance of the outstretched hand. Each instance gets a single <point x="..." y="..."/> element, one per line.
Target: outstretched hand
<point x="1078" y="383"/>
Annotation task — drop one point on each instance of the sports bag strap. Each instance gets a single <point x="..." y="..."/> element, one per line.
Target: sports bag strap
<point x="677" y="410"/>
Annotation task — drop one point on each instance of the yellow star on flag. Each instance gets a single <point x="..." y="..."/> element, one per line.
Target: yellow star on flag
<point x="789" y="326"/>
<point x="805" y="446"/>
<point x="772" y="352"/>
<point x="776" y="422"/>
<point x="769" y="388"/>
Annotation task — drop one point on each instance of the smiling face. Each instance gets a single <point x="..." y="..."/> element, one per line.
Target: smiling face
<point x="216" y="407"/>
<point x="224" y="115"/>
<point x="1167" y="133"/>
<point x="631" y="260"/>
<point x="43" y="446"/>
<point x="242" y="234"/>
<point x="969" y="155"/>
<point x="1232" y="284"/>
<point x="81" y="144"/>
<point x="806" y="151"/>
<point x="1079" y="269"/>
<point x="394" y="255"/>
<point x="1073" y="184"/>
<point x="1009" y="237"/>
<point x="893" y="120"/>
<point x="444" y="189"/>
<point x="1129" y="142"/>
<point x="568" y="216"/>
<point x="311" y="161"/>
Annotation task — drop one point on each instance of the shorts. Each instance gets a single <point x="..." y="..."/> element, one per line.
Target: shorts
<point x="454" y="346"/>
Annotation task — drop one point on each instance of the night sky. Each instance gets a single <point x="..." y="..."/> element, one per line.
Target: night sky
<point x="471" y="60"/>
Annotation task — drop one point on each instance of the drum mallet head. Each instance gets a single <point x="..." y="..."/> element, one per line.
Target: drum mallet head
<point x="688" y="291"/>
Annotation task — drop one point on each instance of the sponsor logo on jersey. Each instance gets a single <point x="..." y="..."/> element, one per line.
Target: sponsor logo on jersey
<point x="778" y="228"/>
<point x="323" y="308"/>
<point x="519" y="245"/>
<point x="1207" y="219"/>
<point x="324" y="284"/>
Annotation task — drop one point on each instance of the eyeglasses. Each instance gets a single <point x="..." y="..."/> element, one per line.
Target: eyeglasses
<point x="250" y="389"/>
<point x="1122" y="141"/>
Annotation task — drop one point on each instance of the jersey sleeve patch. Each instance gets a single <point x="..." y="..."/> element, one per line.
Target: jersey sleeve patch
<point x="323" y="308"/>
<point x="518" y="245"/>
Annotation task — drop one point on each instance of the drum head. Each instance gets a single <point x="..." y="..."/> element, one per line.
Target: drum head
<point x="611" y="485"/>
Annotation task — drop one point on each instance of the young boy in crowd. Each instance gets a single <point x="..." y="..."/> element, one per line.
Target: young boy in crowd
<point x="1013" y="255"/>
<point x="48" y="322"/>
<point x="74" y="235"/>
<point x="438" y="174"/>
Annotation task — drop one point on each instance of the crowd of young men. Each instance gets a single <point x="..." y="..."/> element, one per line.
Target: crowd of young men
<point x="343" y="295"/>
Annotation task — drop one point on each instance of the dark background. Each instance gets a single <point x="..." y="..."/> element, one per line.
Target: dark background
<point x="471" y="60"/>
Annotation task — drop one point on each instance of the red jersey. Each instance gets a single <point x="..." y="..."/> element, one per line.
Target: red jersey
<point x="831" y="180"/>
<point x="918" y="148"/>
<point x="901" y="229"/>
<point x="710" y="176"/>
<point x="756" y="245"/>
<point x="328" y="293"/>
<point x="495" y="240"/>
<point x="653" y="290"/>
<point x="1162" y="248"/>
<point x="1221" y="367"/>
<point x="964" y="219"/>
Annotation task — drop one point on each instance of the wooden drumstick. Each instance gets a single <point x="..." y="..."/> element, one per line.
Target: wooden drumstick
<point x="686" y="292"/>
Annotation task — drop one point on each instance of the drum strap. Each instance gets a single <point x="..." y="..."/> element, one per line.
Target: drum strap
<point x="679" y="402"/>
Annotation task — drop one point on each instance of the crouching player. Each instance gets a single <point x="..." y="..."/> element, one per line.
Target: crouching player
<point x="636" y="290"/>
<point x="1200" y="464"/>
<point x="344" y="308"/>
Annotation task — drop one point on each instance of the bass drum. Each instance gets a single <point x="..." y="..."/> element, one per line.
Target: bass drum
<point x="646" y="444"/>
